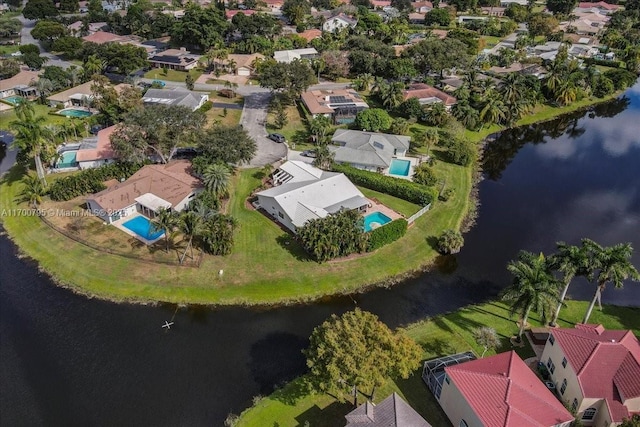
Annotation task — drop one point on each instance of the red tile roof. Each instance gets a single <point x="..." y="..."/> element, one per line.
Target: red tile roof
<point x="607" y="364"/>
<point x="103" y="148"/>
<point x="101" y="37"/>
<point x="600" y="4"/>
<point x="421" y="91"/>
<point x="504" y="392"/>
<point x="233" y="12"/>
<point x="311" y="34"/>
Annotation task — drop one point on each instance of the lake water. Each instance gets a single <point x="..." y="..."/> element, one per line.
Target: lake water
<point x="67" y="360"/>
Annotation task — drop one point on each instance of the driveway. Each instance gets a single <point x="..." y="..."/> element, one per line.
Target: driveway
<point x="253" y="119"/>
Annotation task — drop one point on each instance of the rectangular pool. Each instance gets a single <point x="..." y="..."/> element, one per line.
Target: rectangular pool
<point x="399" y="167"/>
<point x="142" y="227"/>
<point x="375" y="220"/>
<point x="67" y="160"/>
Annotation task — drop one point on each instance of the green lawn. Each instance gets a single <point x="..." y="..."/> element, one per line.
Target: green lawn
<point x="6" y="117"/>
<point x="172" y="75"/>
<point x="8" y="49"/>
<point x="293" y="405"/>
<point x="401" y="206"/>
<point x="294" y="130"/>
<point x="280" y="270"/>
<point x="490" y="41"/>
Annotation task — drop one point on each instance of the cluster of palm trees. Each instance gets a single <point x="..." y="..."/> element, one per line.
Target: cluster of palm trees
<point x="541" y="283"/>
<point x="201" y="223"/>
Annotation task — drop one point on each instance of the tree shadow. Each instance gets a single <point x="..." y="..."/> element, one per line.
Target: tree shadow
<point x="16" y="173"/>
<point x="446" y="264"/>
<point x="332" y="415"/>
<point x="439" y="346"/>
<point x="433" y="242"/>
<point x="292" y="246"/>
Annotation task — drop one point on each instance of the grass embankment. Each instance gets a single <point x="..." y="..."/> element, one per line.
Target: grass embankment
<point x="172" y="75"/>
<point x="293" y="405"/>
<point x="266" y="265"/>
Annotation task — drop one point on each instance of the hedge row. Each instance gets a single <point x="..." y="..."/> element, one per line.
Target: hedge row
<point x="90" y="180"/>
<point x="389" y="233"/>
<point x="397" y="187"/>
<point x="603" y="62"/>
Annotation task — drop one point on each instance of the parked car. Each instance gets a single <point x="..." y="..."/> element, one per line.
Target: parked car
<point x="277" y="137"/>
<point x="309" y="153"/>
<point x="158" y="83"/>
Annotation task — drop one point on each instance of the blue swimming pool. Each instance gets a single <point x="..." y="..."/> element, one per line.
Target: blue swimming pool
<point x="399" y="167"/>
<point x="15" y="100"/>
<point x="72" y="112"/>
<point x="142" y="227"/>
<point x="67" y="160"/>
<point x="375" y="220"/>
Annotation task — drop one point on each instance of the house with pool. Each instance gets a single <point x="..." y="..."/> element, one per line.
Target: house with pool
<point x="302" y="192"/>
<point x="91" y="152"/>
<point x="14" y="89"/>
<point x="170" y="186"/>
<point x="373" y="151"/>
<point x="77" y="96"/>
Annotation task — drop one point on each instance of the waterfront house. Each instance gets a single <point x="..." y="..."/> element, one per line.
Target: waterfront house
<point x="176" y="96"/>
<point x="428" y="95"/>
<point x="341" y="105"/>
<point x="303" y="192"/>
<point x="391" y="412"/>
<point x="169" y="186"/>
<point x="596" y="372"/>
<point x="370" y="151"/>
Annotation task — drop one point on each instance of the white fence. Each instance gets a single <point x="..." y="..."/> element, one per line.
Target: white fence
<point x="418" y="214"/>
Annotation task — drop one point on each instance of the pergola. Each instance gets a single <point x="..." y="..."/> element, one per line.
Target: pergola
<point x="150" y="203"/>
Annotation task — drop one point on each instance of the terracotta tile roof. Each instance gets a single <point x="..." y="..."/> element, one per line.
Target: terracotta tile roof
<point x="244" y="60"/>
<point x="23" y="78"/>
<point x="233" y="12"/>
<point x="311" y="34"/>
<point x="172" y="182"/>
<point x="421" y="91"/>
<point x="504" y="392"/>
<point x="101" y="37"/>
<point x="102" y="149"/>
<point x="606" y="362"/>
<point x="600" y="5"/>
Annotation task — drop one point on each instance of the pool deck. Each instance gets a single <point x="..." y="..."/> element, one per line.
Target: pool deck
<point x="119" y="225"/>
<point x="378" y="207"/>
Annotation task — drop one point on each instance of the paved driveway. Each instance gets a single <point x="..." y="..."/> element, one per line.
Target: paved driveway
<point x="254" y="116"/>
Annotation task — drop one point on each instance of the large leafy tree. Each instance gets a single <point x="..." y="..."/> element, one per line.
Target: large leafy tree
<point x="48" y="31"/>
<point x="155" y="131"/>
<point x="40" y="9"/>
<point x="226" y="144"/>
<point x="534" y="288"/>
<point x="357" y="352"/>
<point x="608" y="265"/>
<point x="436" y="55"/>
<point x="561" y="7"/>
<point x="295" y="10"/>
<point x="373" y="120"/>
<point x="288" y="79"/>
<point x="113" y="105"/>
<point x="200" y="27"/>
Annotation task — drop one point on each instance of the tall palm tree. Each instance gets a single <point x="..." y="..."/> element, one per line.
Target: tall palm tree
<point x="367" y="80"/>
<point x="319" y="126"/>
<point x="610" y="264"/>
<point x="216" y="179"/>
<point x="32" y="137"/>
<point x="324" y="157"/>
<point x="571" y="261"/>
<point x="191" y="225"/>
<point x="33" y="190"/>
<point x="93" y="65"/>
<point x="534" y="288"/>
<point x="165" y="221"/>
<point x="44" y="87"/>
<point x="392" y="95"/>
<point x="493" y="110"/>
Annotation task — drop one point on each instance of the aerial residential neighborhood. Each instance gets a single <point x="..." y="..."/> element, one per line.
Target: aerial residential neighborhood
<point x="360" y="213"/>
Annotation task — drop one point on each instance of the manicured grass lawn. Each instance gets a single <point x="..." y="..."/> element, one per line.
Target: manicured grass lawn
<point x="266" y="265"/>
<point x="293" y="405"/>
<point x="8" y="49"/>
<point x="490" y="41"/>
<point x="401" y="206"/>
<point x="172" y="75"/>
<point x="294" y="130"/>
<point x="217" y="115"/>
<point x="6" y="117"/>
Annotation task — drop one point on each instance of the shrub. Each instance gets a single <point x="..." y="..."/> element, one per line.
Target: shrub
<point x="603" y="62"/>
<point x="400" y="188"/>
<point x="334" y="236"/>
<point x="386" y="234"/>
<point x="621" y="79"/>
<point x="206" y="106"/>
<point x="424" y="175"/>
<point x="90" y="180"/>
<point x="446" y="194"/>
<point x="450" y="242"/>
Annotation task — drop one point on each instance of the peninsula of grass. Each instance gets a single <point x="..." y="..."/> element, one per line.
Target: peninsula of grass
<point x="293" y="405"/>
<point x="266" y="267"/>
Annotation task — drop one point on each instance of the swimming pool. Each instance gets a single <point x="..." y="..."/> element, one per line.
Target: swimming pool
<point x="375" y="220"/>
<point x="72" y="112"/>
<point x="15" y="100"/>
<point x="399" y="167"/>
<point x="67" y="160"/>
<point x="142" y="227"/>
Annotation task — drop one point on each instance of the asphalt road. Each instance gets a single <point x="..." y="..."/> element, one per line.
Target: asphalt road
<point x="253" y="119"/>
<point x="26" y="38"/>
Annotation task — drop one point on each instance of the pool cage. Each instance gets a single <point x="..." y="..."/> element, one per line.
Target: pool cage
<point x="433" y="373"/>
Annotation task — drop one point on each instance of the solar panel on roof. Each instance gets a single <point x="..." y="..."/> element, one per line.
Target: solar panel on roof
<point x="168" y="59"/>
<point x="338" y="99"/>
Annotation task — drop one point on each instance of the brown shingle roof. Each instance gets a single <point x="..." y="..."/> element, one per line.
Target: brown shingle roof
<point x="103" y="149"/>
<point x="101" y="37"/>
<point x="24" y="77"/>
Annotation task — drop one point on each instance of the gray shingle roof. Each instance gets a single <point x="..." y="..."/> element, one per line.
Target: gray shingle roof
<point x="174" y="97"/>
<point x="367" y="148"/>
<point x="391" y="412"/>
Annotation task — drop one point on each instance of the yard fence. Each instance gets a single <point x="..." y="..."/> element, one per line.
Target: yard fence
<point x="418" y="214"/>
<point x="192" y="263"/>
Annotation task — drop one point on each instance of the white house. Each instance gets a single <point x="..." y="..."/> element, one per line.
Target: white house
<point x="370" y="151"/>
<point x="303" y="192"/>
<point x="596" y="372"/>
<point x="339" y="22"/>
<point x="170" y="186"/>
<point x="289" y="56"/>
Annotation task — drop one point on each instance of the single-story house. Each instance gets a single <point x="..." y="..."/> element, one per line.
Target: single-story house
<point x="423" y="6"/>
<point x="102" y="37"/>
<point x="602" y="6"/>
<point x="96" y="151"/>
<point x="339" y="22"/>
<point x="428" y="95"/>
<point x="170" y="186"/>
<point x="416" y="18"/>
<point x="77" y="96"/>
<point x="176" y="96"/>
<point x="304" y="192"/>
<point x="370" y="151"/>
<point x="391" y="412"/>
<point x="310" y="34"/>
<point x="75" y="28"/>
<point x="274" y="5"/>
<point x="595" y="371"/>
<point x="289" y="56"/>
<point x="20" y="85"/>
<point x="341" y="105"/>
<point x="175" y="59"/>
<point x="244" y="63"/>
<point x="497" y="391"/>
<point x="493" y="11"/>
<point x="230" y="13"/>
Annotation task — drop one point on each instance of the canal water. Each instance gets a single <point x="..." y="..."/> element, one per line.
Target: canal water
<point x="67" y="360"/>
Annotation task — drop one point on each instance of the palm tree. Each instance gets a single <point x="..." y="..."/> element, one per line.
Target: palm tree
<point x="216" y="179"/>
<point x="32" y="137"/>
<point x="324" y="157"/>
<point x="44" y="87"/>
<point x="231" y="86"/>
<point x="165" y="220"/>
<point x="567" y="93"/>
<point x="319" y="126"/>
<point x="367" y="80"/>
<point x="33" y="190"/>
<point x="93" y="65"/>
<point x="191" y="225"/>
<point x="571" y="261"/>
<point x="534" y="288"/>
<point x="392" y="95"/>
<point x="612" y="264"/>
<point x="436" y="114"/>
<point x="493" y="110"/>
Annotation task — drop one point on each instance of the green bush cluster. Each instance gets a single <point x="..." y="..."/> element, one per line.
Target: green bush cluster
<point x="400" y="188"/>
<point x="90" y="180"/>
<point x="389" y="233"/>
<point x="603" y="62"/>
<point x="206" y="106"/>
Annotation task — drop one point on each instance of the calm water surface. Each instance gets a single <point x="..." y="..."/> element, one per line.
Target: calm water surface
<point x="66" y="360"/>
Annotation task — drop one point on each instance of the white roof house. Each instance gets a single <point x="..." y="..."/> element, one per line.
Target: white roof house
<point x="304" y="193"/>
<point x="293" y="54"/>
<point x="176" y="96"/>
<point x="339" y="22"/>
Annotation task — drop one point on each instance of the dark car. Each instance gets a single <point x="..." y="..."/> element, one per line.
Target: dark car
<point x="277" y="137"/>
<point x="309" y="153"/>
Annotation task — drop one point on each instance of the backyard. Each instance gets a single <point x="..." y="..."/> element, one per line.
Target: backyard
<point x="293" y="405"/>
<point x="172" y="75"/>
